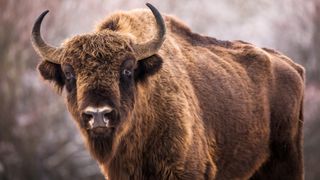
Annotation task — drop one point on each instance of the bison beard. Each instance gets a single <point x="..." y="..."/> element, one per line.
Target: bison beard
<point x="101" y="144"/>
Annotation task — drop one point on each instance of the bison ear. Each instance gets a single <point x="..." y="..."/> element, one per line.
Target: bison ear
<point x="52" y="73"/>
<point x="148" y="67"/>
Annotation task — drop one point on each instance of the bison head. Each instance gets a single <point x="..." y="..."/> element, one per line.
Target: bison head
<point x="100" y="73"/>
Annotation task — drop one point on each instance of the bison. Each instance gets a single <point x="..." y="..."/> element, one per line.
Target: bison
<point x="154" y="100"/>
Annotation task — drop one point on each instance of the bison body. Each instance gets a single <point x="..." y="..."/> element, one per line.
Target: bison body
<point x="199" y="108"/>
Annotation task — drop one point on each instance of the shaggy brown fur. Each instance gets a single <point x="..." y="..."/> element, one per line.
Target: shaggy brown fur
<point x="199" y="109"/>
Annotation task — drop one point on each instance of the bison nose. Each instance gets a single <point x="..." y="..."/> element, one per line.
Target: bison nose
<point x="98" y="116"/>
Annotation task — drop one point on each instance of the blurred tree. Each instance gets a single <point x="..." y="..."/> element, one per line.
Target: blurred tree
<point x="312" y="133"/>
<point x="315" y="46"/>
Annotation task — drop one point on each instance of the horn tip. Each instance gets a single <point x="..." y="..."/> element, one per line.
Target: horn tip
<point x="37" y="24"/>
<point x="44" y="12"/>
<point x="149" y="5"/>
<point x="159" y="18"/>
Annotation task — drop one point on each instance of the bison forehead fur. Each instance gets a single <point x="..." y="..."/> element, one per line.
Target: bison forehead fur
<point x="101" y="46"/>
<point x="198" y="108"/>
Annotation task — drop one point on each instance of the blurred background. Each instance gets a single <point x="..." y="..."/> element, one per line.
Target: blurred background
<point x="38" y="139"/>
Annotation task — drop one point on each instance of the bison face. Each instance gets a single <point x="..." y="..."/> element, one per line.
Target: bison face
<point x="100" y="73"/>
<point x="100" y="86"/>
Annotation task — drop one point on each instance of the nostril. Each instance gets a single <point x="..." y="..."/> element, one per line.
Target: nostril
<point x="87" y="120"/>
<point x="110" y="115"/>
<point x="87" y="116"/>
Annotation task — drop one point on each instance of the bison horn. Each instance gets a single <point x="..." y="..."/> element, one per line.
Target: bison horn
<point x="46" y="51"/>
<point x="149" y="48"/>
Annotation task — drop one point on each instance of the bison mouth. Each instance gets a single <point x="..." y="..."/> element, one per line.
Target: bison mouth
<point x="106" y="132"/>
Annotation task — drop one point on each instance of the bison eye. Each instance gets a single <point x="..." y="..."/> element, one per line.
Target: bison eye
<point x="126" y="72"/>
<point x="69" y="75"/>
<point x="68" y="71"/>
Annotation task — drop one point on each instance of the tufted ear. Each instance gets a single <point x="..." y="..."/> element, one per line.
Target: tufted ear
<point x="148" y="67"/>
<point x="52" y="73"/>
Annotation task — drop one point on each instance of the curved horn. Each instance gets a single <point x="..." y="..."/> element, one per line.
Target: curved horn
<point x="151" y="47"/>
<point x="46" y="51"/>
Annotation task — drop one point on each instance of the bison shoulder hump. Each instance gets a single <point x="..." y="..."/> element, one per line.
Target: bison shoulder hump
<point x="253" y="58"/>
